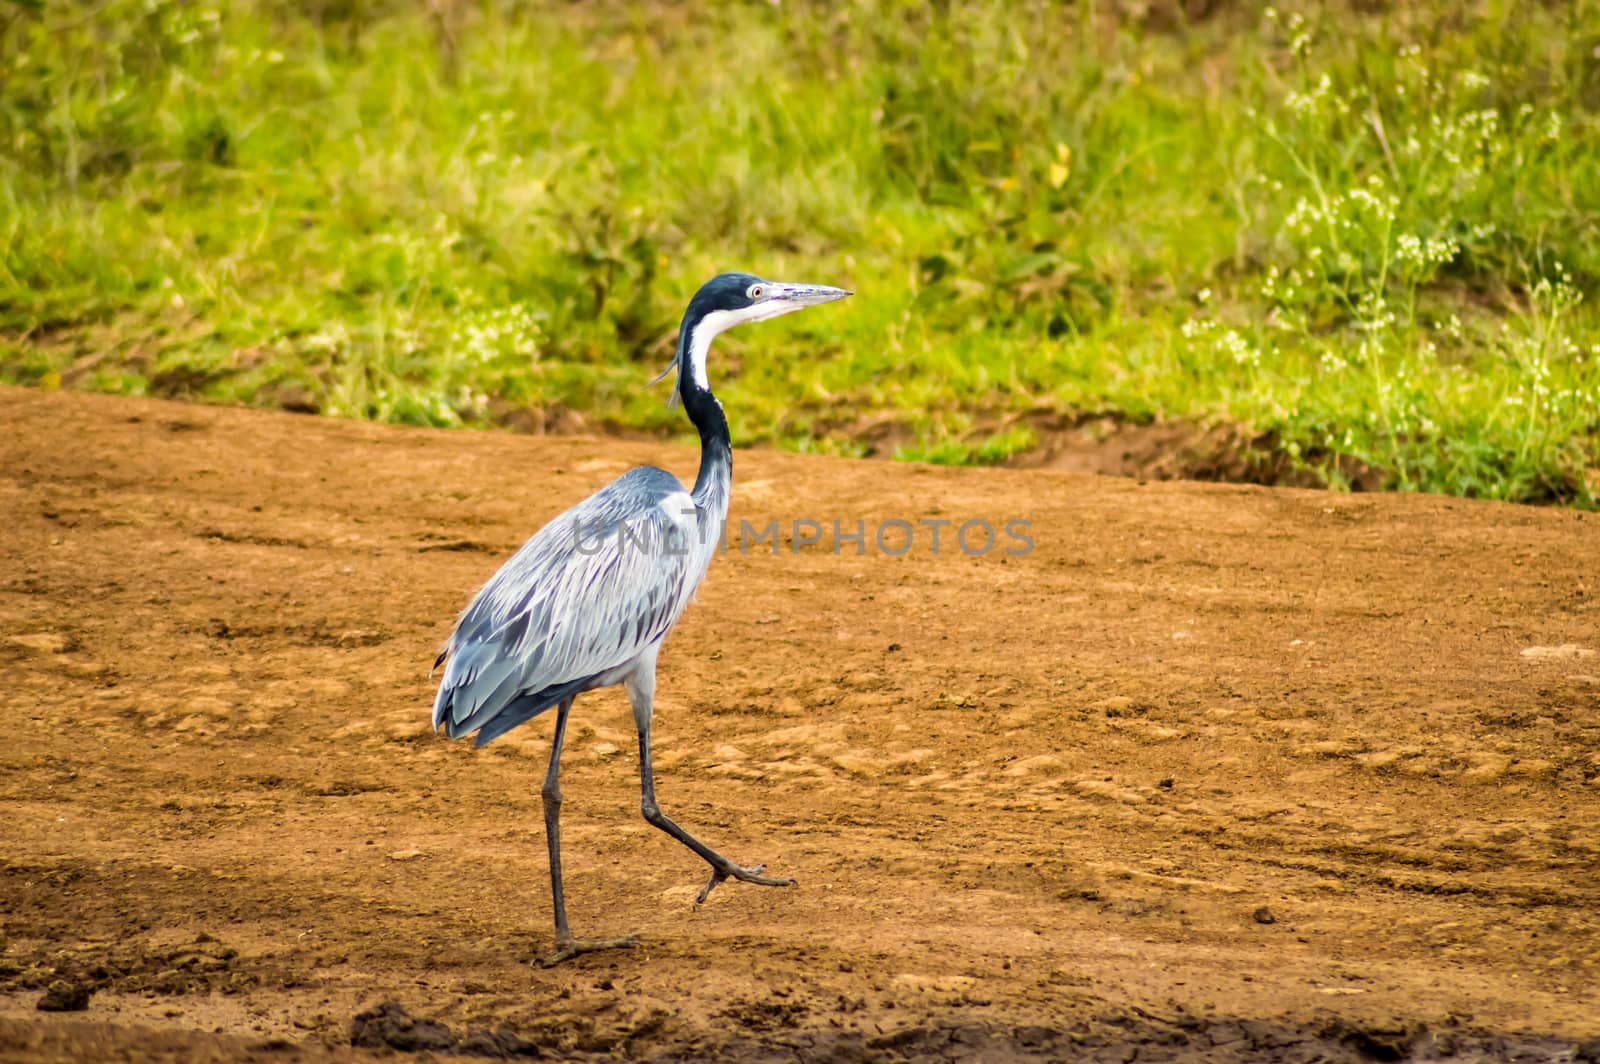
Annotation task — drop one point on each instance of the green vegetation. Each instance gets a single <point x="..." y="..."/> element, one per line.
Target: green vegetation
<point x="1363" y="237"/>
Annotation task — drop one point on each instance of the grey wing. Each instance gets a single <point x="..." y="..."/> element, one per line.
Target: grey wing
<point x="588" y="593"/>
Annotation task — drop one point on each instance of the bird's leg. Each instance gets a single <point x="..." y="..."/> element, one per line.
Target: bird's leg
<point x="642" y="695"/>
<point x="567" y="947"/>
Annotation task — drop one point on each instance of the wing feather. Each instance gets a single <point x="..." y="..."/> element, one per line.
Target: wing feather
<point x="588" y="593"/>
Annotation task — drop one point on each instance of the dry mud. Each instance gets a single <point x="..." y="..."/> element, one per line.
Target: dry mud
<point x="1209" y="772"/>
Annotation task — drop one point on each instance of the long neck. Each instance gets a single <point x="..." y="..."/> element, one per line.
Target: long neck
<point x="711" y="487"/>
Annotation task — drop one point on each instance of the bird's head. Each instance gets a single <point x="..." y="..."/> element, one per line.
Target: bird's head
<point x="730" y="299"/>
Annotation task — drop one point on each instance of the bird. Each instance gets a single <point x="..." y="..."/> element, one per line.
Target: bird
<point x="588" y="600"/>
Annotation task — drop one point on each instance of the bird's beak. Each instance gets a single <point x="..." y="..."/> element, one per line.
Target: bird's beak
<point x="808" y="295"/>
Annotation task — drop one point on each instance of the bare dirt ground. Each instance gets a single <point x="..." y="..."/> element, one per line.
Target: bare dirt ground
<point x="1212" y="771"/>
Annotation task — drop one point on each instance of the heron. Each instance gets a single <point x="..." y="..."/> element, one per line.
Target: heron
<point x="588" y="600"/>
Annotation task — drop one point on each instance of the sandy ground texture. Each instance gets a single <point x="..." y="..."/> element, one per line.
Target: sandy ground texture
<point x="1209" y="772"/>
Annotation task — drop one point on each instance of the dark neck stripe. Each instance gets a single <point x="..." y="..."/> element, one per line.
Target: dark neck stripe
<point x="716" y="444"/>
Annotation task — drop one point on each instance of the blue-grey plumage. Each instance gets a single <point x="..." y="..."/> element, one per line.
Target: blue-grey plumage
<point x="587" y="602"/>
<point x="593" y="590"/>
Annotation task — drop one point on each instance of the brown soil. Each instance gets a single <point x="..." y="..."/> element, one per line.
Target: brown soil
<point x="1108" y="445"/>
<point x="1212" y="771"/>
<point x="1182" y="450"/>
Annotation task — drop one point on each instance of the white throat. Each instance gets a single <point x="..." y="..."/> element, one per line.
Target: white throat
<point x="718" y="321"/>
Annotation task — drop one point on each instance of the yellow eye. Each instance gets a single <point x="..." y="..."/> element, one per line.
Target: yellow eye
<point x="755" y="291"/>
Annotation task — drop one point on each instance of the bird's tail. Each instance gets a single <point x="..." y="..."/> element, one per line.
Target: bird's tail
<point x="483" y="698"/>
<point x="524" y="708"/>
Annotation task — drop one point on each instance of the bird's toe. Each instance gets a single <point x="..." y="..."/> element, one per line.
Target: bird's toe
<point x="743" y="875"/>
<point x="566" y="949"/>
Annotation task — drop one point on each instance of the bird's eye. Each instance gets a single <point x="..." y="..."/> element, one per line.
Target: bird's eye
<point x="755" y="291"/>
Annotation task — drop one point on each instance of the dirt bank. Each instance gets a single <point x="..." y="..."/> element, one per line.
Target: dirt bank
<point x="1247" y="773"/>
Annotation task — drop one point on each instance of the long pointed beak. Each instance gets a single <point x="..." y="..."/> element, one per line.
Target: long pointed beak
<point x="808" y="295"/>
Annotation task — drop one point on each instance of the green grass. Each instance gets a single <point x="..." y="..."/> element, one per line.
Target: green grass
<point x="1364" y="237"/>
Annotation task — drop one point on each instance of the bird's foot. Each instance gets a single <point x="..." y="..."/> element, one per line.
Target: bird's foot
<point x="743" y="875"/>
<point x="568" y="948"/>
